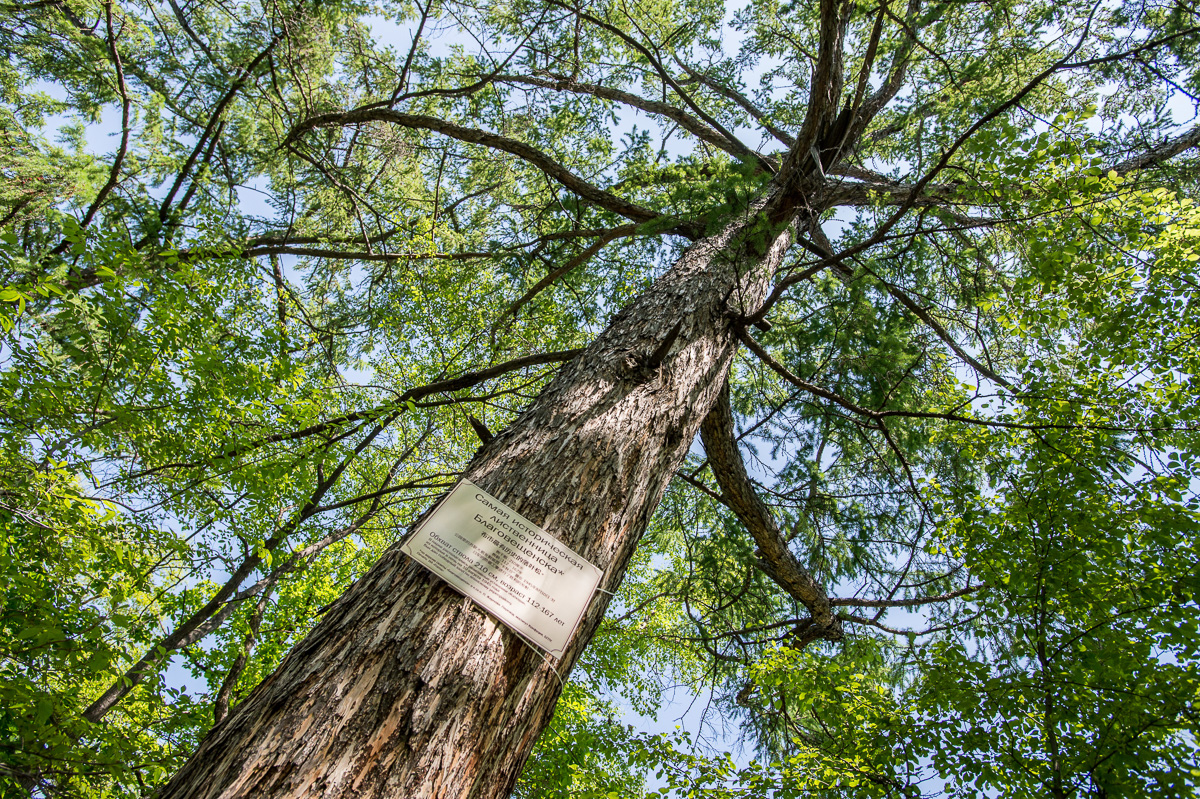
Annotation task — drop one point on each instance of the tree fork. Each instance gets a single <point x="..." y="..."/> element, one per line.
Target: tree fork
<point x="405" y="687"/>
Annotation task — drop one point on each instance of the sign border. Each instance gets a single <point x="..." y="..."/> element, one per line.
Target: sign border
<point x="481" y="601"/>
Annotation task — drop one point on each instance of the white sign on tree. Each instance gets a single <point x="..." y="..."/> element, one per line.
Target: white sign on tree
<point x="525" y="577"/>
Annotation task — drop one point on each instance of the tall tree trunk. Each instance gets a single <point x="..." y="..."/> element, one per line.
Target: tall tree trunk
<point x="408" y="689"/>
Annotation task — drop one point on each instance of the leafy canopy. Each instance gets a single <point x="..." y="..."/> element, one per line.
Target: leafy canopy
<point x="263" y="264"/>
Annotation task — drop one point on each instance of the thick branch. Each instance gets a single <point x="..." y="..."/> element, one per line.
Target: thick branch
<point x="677" y="115"/>
<point x="717" y="433"/>
<point x="825" y="88"/>
<point x="552" y="168"/>
<point x="322" y="252"/>
<point x="1163" y="152"/>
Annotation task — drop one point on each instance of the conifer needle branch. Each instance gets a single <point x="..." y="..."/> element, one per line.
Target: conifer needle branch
<point x="572" y="264"/>
<point x="905" y="603"/>
<point x="537" y="158"/>
<point x="782" y="566"/>
<point x="743" y="152"/>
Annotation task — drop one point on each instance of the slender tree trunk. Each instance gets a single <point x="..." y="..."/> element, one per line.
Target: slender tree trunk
<point x="408" y="689"/>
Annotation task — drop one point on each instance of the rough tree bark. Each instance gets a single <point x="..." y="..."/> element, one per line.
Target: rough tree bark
<point x="406" y="688"/>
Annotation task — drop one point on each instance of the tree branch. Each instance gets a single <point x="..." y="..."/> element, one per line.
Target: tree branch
<point x="550" y="167"/>
<point x="905" y="603"/>
<point x="750" y="108"/>
<point x="690" y="123"/>
<point x="580" y="259"/>
<point x="717" y="434"/>
<point x="114" y="173"/>
<point x="1156" y="155"/>
<point x="218" y="608"/>
<point x="734" y="141"/>
<point x="221" y="703"/>
<point x="465" y="380"/>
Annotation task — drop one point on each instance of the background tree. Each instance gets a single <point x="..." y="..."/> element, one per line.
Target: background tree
<point x="941" y="535"/>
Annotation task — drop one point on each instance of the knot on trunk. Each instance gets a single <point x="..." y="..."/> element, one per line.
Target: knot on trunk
<point x="643" y="367"/>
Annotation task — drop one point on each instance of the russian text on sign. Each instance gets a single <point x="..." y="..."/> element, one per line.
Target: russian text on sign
<point x="525" y="577"/>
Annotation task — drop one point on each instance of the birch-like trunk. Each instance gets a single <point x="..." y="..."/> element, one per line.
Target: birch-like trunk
<point x="408" y="689"/>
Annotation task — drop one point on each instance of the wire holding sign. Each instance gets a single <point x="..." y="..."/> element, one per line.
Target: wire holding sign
<point x="528" y="579"/>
